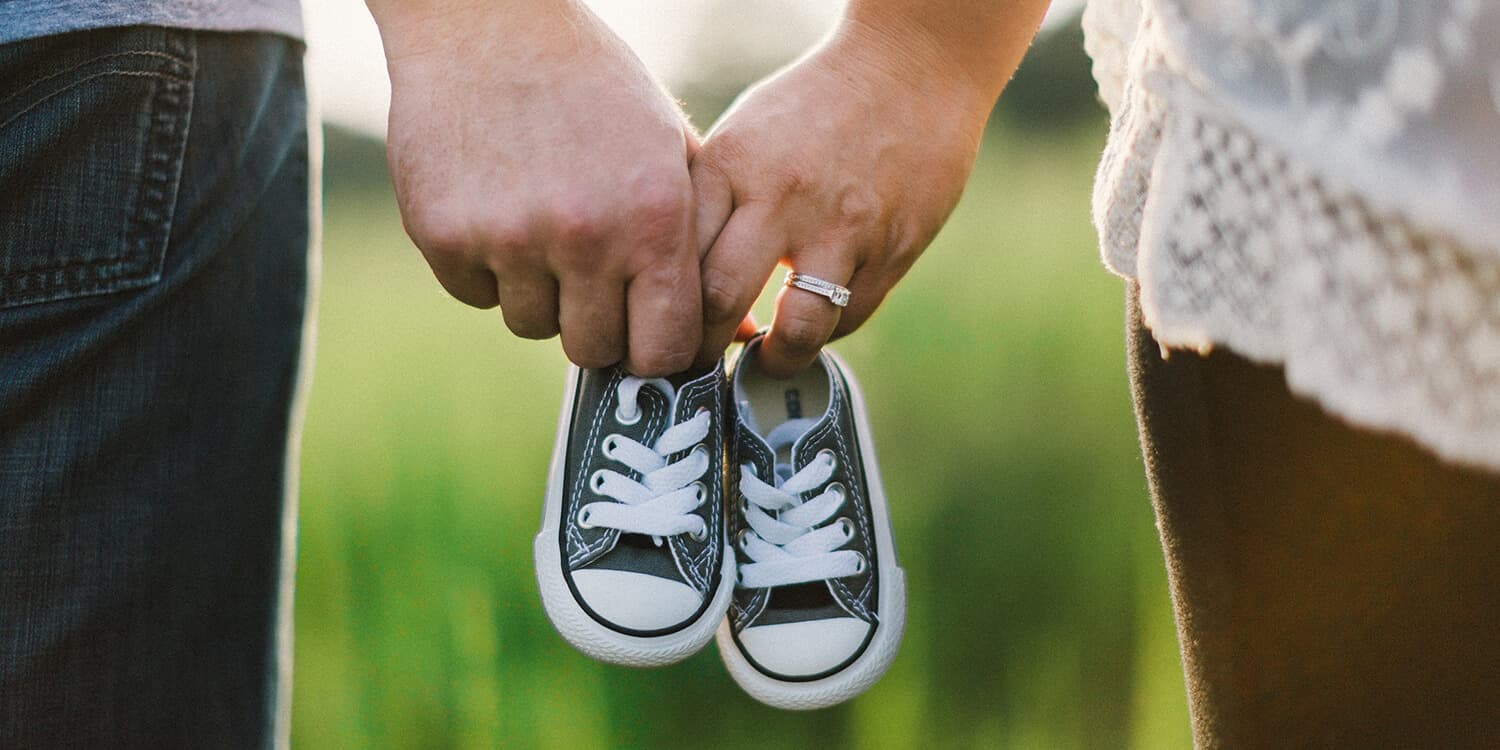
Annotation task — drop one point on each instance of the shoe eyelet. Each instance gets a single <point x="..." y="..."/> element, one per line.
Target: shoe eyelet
<point x="701" y="491"/>
<point x="583" y="518"/>
<point x="744" y="506"/>
<point x="742" y="539"/>
<point x="596" y="481"/>
<point x="839" y="489"/>
<point x="847" y="526"/>
<point x="623" y="419"/>
<point x="826" y="456"/>
<point x="861" y="564"/>
<point x="699" y="534"/>
<point x="608" y="445"/>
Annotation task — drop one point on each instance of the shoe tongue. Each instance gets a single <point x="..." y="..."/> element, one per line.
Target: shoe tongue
<point x="784" y="435"/>
<point x="781" y="440"/>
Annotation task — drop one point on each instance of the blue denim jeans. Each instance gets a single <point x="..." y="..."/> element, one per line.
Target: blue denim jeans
<point x="154" y="234"/>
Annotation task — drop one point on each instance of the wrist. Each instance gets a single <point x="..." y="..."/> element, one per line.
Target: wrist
<point x="966" y="51"/>
<point x="884" y="62"/>
<point x="410" y="28"/>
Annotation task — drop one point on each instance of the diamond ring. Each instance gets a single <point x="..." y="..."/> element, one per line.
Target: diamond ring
<point x="836" y="294"/>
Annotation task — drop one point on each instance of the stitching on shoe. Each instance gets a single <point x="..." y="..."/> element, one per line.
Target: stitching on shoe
<point x="588" y="549"/>
<point x="858" y="601"/>
<point x="699" y="565"/>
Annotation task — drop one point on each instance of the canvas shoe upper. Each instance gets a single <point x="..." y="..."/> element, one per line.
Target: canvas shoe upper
<point x="631" y="557"/>
<point x="819" y="604"/>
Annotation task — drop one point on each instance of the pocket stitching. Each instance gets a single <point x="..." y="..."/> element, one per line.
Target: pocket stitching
<point x="79" y="82"/>
<point x="134" y="264"/>
<point x="133" y="53"/>
<point x="105" y="271"/>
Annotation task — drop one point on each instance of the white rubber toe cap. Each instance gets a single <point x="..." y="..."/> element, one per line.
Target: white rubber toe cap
<point x="802" y="649"/>
<point x="635" y="600"/>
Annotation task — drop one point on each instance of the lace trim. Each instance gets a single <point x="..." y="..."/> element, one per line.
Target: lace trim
<point x="1235" y="244"/>
<point x="1237" y="240"/>
<point x="1394" y="101"/>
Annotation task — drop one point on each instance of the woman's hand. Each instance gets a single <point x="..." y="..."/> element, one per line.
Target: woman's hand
<point x="844" y="166"/>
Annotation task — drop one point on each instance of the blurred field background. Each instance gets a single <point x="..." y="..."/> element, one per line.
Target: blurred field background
<point x="1038" y="611"/>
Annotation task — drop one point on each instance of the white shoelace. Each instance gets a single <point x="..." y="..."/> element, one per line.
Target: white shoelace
<point x="661" y="502"/>
<point x="793" y="546"/>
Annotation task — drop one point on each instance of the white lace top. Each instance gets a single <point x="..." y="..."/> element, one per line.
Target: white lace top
<point x="1317" y="185"/>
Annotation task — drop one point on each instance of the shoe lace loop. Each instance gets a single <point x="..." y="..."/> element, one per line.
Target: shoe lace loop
<point x="794" y="545"/>
<point x="660" y="503"/>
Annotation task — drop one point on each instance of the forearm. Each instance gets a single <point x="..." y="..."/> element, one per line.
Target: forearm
<point x="974" y="45"/>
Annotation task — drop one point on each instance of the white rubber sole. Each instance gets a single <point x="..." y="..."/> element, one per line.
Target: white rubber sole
<point x="881" y="651"/>
<point x="575" y="625"/>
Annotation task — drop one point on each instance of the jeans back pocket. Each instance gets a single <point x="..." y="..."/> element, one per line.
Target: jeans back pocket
<point x="92" y="130"/>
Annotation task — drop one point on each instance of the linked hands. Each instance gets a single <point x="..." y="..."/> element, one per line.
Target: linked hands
<point x="547" y="173"/>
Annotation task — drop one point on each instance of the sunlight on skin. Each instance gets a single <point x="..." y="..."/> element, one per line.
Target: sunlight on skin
<point x="346" y="67"/>
<point x="417" y="610"/>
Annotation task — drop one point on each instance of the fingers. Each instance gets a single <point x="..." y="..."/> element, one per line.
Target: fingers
<point x="665" y="321"/>
<point x="591" y="316"/>
<point x="528" y="302"/>
<point x="733" y="273"/>
<point x="638" y="290"/>
<point x="804" y="320"/>
<point x="664" y="315"/>
<point x="469" y="284"/>
<point x="866" y="291"/>
<point x="747" y="329"/>
<point x="713" y="199"/>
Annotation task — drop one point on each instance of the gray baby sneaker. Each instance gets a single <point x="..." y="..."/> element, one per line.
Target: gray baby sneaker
<point x="631" y="557"/>
<point x="819" y="603"/>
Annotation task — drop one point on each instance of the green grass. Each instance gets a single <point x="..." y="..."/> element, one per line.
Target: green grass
<point x="1038" y="612"/>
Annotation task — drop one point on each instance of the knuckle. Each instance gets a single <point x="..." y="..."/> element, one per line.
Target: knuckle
<point x="724" y="148"/>
<point x="656" y="361"/>
<point x="658" y="209"/>
<point x="578" y="221"/>
<point x="504" y="235"/>
<point x="721" y="298"/>
<point x="793" y="180"/>
<point x="438" y="228"/>
<point x="857" y="209"/>
<point x="708" y="163"/>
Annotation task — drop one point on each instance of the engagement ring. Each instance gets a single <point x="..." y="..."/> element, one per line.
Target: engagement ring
<point x="836" y="294"/>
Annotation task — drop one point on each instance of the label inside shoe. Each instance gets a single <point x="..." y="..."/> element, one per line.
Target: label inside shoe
<point x="793" y="404"/>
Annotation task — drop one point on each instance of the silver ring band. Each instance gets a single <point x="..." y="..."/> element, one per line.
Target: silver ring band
<point x="836" y="294"/>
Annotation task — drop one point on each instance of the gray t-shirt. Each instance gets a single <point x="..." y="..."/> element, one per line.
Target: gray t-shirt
<point x="26" y="19"/>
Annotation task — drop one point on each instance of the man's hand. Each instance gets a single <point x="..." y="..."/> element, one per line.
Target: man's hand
<point x="539" y="167"/>
<point x="845" y="165"/>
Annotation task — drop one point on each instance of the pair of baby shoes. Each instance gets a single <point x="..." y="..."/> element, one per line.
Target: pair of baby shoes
<point x="738" y="504"/>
